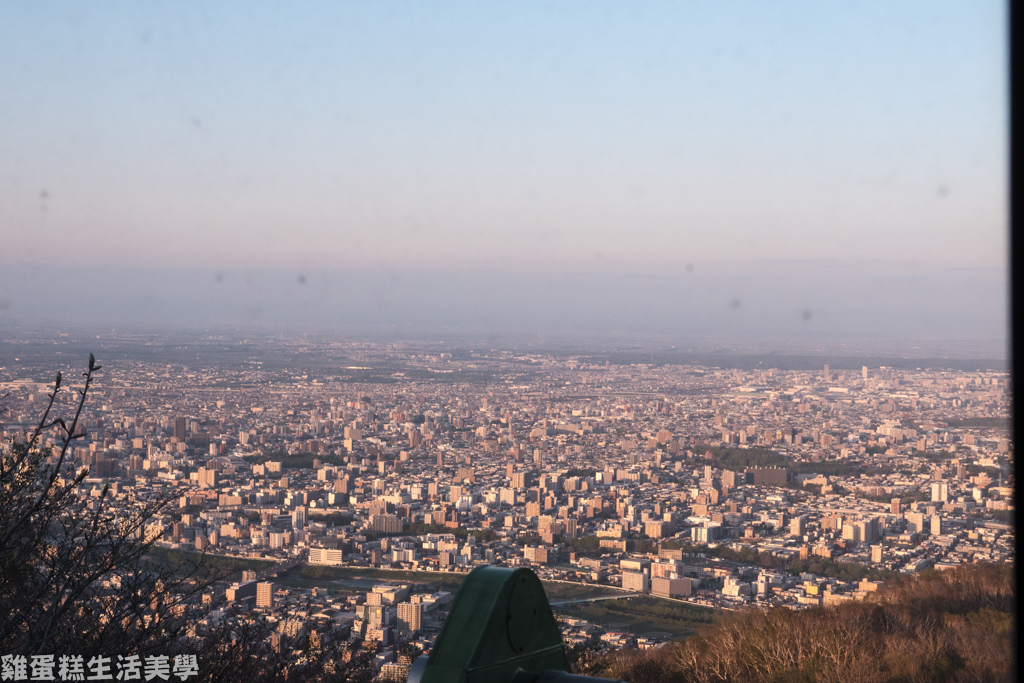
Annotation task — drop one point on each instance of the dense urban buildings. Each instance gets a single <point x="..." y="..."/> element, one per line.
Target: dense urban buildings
<point x="378" y="466"/>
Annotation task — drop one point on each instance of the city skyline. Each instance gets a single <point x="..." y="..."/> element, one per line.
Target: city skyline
<point x="349" y="488"/>
<point x="672" y="311"/>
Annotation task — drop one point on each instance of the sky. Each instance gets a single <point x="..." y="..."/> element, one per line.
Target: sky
<point x="805" y="155"/>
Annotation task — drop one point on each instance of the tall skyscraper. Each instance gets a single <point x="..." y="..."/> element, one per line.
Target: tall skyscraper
<point x="826" y="375"/>
<point x="915" y="522"/>
<point x="798" y="526"/>
<point x="264" y="594"/>
<point x="179" y="428"/>
<point x="410" y="617"/>
<point x="940" y="492"/>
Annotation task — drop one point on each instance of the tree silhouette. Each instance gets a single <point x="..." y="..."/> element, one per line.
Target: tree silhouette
<point x="75" y="577"/>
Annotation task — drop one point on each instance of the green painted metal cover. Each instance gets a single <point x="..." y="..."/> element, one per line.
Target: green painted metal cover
<point x="500" y="622"/>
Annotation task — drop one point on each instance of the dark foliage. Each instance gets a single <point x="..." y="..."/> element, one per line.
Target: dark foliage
<point x="76" y="576"/>
<point x="953" y="626"/>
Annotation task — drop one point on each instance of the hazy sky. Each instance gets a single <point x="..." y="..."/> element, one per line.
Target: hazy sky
<point x="591" y="137"/>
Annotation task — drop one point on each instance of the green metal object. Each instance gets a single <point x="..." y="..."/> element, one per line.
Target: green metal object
<point x="500" y="630"/>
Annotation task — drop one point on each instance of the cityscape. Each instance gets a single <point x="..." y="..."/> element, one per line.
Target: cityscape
<point x="355" y="484"/>
<point x="661" y="342"/>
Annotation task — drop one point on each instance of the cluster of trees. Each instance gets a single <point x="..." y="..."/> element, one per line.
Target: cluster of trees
<point x="739" y="459"/>
<point x="590" y="546"/>
<point x="981" y="423"/>
<point x="583" y="472"/>
<point x="906" y="499"/>
<point x="951" y="626"/>
<point x="421" y="529"/>
<point x="837" y="569"/>
<point x="641" y="545"/>
<point x="77" y="579"/>
<point x="320" y="571"/>
<point x="584" y="544"/>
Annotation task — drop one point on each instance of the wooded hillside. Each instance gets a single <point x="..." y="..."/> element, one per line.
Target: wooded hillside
<point x="955" y="625"/>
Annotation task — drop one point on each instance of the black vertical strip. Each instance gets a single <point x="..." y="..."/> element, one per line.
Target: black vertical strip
<point x="1015" y="38"/>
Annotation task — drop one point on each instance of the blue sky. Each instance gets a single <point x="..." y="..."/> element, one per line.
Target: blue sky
<point x="590" y="137"/>
<point x="605" y="135"/>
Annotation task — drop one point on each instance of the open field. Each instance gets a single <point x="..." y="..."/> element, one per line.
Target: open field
<point x="565" y="591"/>
<point x="641" y="615"/>
<point x="181" y="559"/>
<point x="363" y="578"/>
<point x="324" y="576"/>
<point x="637" y="615"/>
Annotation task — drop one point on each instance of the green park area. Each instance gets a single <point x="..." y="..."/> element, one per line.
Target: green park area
<point x="640" y="615"/>
<point x="637" y="615"/>
<point x="355" y="578"/>
<point x="185" y="561"/>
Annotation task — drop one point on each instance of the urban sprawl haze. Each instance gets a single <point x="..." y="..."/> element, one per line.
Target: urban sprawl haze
<point x="368" y="478"/>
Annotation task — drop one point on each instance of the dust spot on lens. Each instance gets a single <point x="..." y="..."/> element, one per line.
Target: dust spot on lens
<point x="806" y="315"/>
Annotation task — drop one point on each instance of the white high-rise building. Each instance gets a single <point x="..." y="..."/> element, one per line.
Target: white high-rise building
<point x="264" y="594"/>
<point x="326" y="556"/>
<point x="410" y="617"/>
<point x="299" y="518"/>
